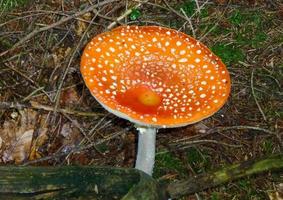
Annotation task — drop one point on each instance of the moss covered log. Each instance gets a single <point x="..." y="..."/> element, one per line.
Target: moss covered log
<point x="90" y="182"/>
<point x="227" y="174"/>
<point x="74" y="182"/>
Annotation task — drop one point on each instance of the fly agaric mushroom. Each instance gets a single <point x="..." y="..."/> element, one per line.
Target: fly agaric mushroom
<point x="154" y="77"/>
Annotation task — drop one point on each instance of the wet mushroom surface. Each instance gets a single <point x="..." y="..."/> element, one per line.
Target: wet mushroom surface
<point x="154" y="76"/>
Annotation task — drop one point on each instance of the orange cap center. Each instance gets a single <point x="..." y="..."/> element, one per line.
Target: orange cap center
<point x="149" y="98"/>
<point x="141" y="98"/>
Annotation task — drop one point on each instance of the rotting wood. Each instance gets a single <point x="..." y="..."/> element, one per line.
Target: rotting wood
<point x="91" y="182"/>
<point x="77" y="182"/>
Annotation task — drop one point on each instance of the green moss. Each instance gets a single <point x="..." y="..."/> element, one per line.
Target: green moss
<point x="249" y="28"/>
<point x="268" y="146"/>
<point x="252" y="38"/>
<point x="236" y="18"/>
<point x="221" y="175"/>
<point x="229" y="53"/>
<point x="199" y="161"/>
<point x="188" y="7"/>
<point x="167" y="162"/>
<point x="102" y="148"/>
<point x="215" y="196"/>
<point x="6" y="5"/>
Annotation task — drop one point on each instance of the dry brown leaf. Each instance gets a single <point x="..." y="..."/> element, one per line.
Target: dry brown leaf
<point x="274" y="196"/>
<point x="60" y="55"/>
<point x="71" y="134"/>
<point x="19" y="149"/>
<point x="277" y="194"/>
<point x="16" y="135"/>
<point x="81" y="26"/>
<point x="69" y="97"/>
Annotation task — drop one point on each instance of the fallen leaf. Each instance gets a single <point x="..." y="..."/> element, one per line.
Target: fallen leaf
<point x="81" y="25"/>
<point x="16" y="135"/>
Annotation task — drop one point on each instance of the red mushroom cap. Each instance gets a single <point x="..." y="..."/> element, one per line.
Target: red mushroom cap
<point x="154" y="76"/>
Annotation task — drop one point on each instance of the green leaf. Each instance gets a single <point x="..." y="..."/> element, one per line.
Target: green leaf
<point x="135" y="14"/>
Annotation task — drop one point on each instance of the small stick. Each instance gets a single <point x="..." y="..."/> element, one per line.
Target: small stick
<point x="128" y="12"/>
<point x="13" y="68"/>
<point x="78" y="148"/>
<point x="37" y="106"/>
<point x="197" y="4"/>
<point x="216" y="129"/>
<point x="187" y="144"/>
<point x="190" y="23"/>
<point x="58" y="93"/>
<point x="256" y="101"/>
<point x="219" y="129"/>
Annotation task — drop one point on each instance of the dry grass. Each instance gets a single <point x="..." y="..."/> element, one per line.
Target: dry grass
<point x="41" y="73"/>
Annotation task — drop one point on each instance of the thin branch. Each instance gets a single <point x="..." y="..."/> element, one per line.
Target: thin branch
<point x="66" y="70"/>
<point x="37" y="106"/>
<point x="217" y="129"/>
<point x="78" y="149"/>
<point x="62" y="21"/>
<point x="187" y="144"/>
<point x="190" y="22"/>
<point x="198" y="8"/>
<point x="38" y="87"/>
<point x="256" y="101"/>
<point x="124" y="15"/>
<point x="228" y="128"/>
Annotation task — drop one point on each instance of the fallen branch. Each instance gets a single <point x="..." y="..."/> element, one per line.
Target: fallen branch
<point x="204" y="181"/>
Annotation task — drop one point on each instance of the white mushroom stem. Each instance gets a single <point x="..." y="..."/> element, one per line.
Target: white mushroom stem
<point x="146" y="149"/>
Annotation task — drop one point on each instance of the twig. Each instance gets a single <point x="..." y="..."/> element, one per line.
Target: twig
<point x="184" y="16"/>
<point x="256" y="101"/>
<point x="128" y="12"/>
<point x="78" y="149"/>
<point x="86" y="136"/>
<point x="57" y="95"/>
<point x="153" y="4"/>
<point x="37" y="106"/>
<point x="187" y="144"/>
<point x="13" y="68"/>
<point x="63" y="20"/>
<point x="174" y="11"/>
<point x="198" y="8"/>
<point x="190" y="22"/>
<point x="78" y="126"/>
<point x="217" y="129"/>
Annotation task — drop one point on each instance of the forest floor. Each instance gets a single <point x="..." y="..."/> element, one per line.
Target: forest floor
<point x="48" y="117"/>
